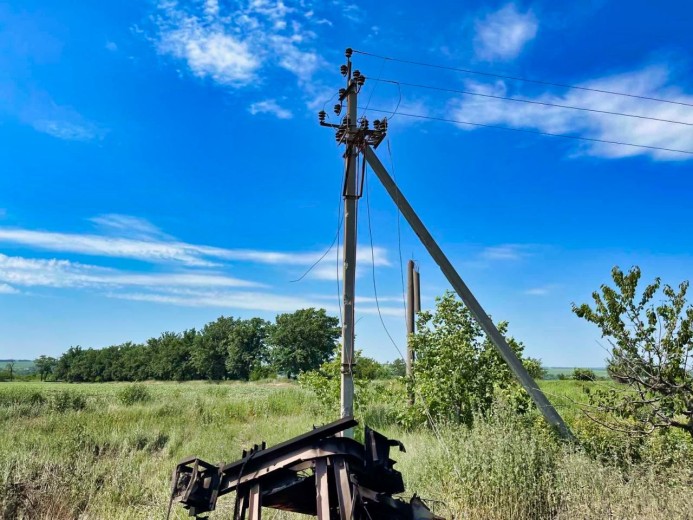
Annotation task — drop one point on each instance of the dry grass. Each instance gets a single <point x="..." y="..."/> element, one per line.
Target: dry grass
<point x="78" y="451"/>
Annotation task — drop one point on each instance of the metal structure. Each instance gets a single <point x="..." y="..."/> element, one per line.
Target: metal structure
<point x="319" y="473"/>
<point x="361" y="139"/>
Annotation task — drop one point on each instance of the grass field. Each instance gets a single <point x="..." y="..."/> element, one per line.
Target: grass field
<point x="80" y="451"/>
<point x="554" y="372"/>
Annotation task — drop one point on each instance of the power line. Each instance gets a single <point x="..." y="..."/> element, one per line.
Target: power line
<point x="526" y="80"/>
<point x="535" y="132"/>
<point x="530" y="101"/>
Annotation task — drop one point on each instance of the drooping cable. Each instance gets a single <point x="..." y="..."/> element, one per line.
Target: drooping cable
<point x="526" y="80"/>
<point x="529" y="101"/>
<point x="535" y="132"/>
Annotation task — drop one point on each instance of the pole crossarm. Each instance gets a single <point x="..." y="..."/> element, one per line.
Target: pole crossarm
<point x="516" y="366"/>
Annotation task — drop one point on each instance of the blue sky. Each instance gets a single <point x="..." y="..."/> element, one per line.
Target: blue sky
<point x="161" y="163"/>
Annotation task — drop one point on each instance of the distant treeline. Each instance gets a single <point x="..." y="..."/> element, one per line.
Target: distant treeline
<point x="228" y="348"/>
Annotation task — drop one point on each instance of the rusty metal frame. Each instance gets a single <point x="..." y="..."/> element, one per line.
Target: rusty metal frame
<point x="319" y="473"/>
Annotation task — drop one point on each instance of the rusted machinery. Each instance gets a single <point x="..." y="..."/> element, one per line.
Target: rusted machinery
<point x="319" y="473"/>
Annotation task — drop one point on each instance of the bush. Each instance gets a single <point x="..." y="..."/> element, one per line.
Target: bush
<point x="584" y="374"/>
<point x="66" y="401"/>
<point x="133" y="394"/>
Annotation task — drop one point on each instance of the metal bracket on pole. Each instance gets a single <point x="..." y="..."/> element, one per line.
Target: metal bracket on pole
<point x="545" y="407"/>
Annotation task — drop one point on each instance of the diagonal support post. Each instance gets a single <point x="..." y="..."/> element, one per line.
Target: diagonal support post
<point x="545" y="407"/>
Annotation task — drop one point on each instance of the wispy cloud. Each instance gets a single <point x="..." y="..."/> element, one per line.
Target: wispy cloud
<point x="127" y="225"/>
<point x="7" y="289"/>
<point x="232" y="46"/>
<point x="652" y="81"/>
<point x="270" y="106"/>
<point x="501" y="35"/>
<point x="135" y="238"/>
<point x="37" y="272"/>
<point x="543" y="290"/>
<point x="510" y="252"/>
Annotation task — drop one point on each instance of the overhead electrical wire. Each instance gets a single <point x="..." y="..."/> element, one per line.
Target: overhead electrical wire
<point x="530" y="101"/>
<point x="535" y="132"/>
<point x="526" y="80"/>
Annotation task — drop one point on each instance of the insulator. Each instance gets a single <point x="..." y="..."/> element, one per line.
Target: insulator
<point x="321" y="116"/>
<point x="348" y="52"/>
<point x="361" y="80"/>
<point x="344" y="70"/>
<point x="337" y="109"/>
<point x="364" y="123"/>
<point x="357" y="73"/>
<point x="376" y="123"/>
<point x="342" y="92"/>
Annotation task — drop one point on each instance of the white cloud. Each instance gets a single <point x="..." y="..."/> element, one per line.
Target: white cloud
<point x="7" y="289"/>
<point x="502" y="35"/>
<point x="127" y="225"/>
<point x="67" y="130"/>
<point x="232" y="46"/>
<point x="270" y="106"/>
<point x="148" y="243"/>
<point x="111" y="46"/>
<point x="505" y="252"/>
<point x="38" y="272"/>
<point x="543" y="290"/>
<point x="652" y="81"/>
<point x="331" y="269"/>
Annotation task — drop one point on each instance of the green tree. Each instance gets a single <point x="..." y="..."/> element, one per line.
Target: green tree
<point x="651" y="339"/>
<point x="458" y="372"/>
<point x="246" y="350"/>
<point x="397" y="368"/>
<point x="584" y="374"/>
<point x="44" y="366"/>
<point x="9" y="367"/>
<point x="211" y="348"/>
<point x="171" y="356"/>
<point x="302" y="340"/>
<point x="534" y="368"/>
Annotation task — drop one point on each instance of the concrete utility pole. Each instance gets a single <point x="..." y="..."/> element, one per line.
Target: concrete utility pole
<point x="350" y="195"/>
<point x="411" y="313"/>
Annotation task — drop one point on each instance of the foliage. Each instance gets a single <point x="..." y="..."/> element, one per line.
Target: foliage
<point x="227" y="348"/>
<point x="458" y="373"/>
<point x="584" y="374"/>
<point x="246" y="350"/>
<point x="134" y="394"/>
<point x="302" y="340"/>
<point x="325" y="383"/>
<point x="651" y="338"/>
<point x="534" y="368"/>
<point x="114" y="461"/>
<point x="44" y="366"/>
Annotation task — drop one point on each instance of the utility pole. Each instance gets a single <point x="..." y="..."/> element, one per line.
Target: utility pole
<point x="412" y="308"/>
<point x="350" y="195"/>
<point x="354" y="133"/>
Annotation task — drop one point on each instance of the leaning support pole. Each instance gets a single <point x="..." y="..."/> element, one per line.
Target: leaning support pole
<point x="545" y="407"/>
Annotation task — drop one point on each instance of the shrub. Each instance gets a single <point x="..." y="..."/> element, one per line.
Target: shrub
<point x="584" y="374"/>
<point x="66" y="401"/>
<point x="133" y="394"/>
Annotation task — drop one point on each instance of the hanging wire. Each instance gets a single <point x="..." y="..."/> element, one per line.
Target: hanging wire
<point x="529" y="101"/>
<point x="535" y="132"/>
<point x="526" y="80"/>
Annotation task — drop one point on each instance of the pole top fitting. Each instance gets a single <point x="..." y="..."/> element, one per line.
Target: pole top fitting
<point x="348" y="52"/>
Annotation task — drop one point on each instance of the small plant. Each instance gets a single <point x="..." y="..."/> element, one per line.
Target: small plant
<point x="133" y="394"/>
<point x="66" y="401"/>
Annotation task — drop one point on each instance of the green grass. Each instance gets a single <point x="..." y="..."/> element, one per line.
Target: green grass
<point x="554" y="372"/>
<point x="83" y="451"/>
